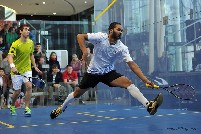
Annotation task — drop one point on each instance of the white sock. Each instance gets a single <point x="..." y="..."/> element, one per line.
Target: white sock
<point x="135" y="92"/>
<point x="68" y="100"/>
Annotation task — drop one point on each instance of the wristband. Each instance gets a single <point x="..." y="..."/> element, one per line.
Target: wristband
<point x="12" y="65"/>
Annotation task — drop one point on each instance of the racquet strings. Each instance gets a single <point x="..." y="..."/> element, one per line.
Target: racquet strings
<point x="182" y="91"/>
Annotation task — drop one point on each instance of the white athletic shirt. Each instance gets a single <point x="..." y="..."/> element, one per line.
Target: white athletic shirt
<point x="105" y="55"/>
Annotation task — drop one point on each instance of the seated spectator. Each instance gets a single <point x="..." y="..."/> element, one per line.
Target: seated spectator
<point x="11" y="36"/>
<point x="54" y="82"/>
<point x="42" y="74"/>
<point x="53" y="60"/>
<point x="4" y="89"/>
<point x="76" y="64"/>
<point x="70" y="79"/>
<point x="15" y="25"/>
<point x="3" y="46"/>
<point x="4" y="31"/>
<point x="38" y="52"/>
<point x="4" y="64"/>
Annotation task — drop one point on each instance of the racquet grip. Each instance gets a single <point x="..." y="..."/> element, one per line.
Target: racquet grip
<point x="155" y="86"/>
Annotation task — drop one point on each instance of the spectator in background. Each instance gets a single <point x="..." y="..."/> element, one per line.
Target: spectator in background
<point x="15" y="25"/>
<point x="3" y="46"/>
<point x="4" y="31"/>
<point x="76" y="64"/>
<point x="4" y="89"/>
<point x="54" y="82"/>
<point x="71" y="80"/>
<point x="38" y="52"/>
<point x="11" y="36"/>
<point x="4" y="64"/>
<point x="42" y="75"/>
<point x="53" y="60"/>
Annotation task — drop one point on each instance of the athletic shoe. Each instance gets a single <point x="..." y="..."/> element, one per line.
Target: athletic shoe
<point x="13" y="110"/>
<point x="153" y="105"/>
<point x="27" y="112"/>
<point x="56" y="112"/>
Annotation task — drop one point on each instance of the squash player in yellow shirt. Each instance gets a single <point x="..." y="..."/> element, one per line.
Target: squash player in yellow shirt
<point x="20" y="57"/>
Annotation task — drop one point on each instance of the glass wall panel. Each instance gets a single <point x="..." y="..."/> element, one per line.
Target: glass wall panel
<point x="167" y="31"/>
<point x="58" y="35"/>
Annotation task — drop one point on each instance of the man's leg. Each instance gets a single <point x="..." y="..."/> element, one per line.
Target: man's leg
<point x="17" y="83"/>
<point x="15" y="96"/>
<point x="135" y="92"/>
<point x="88" y="81"/>
<point x="6" y="95"/>
<point x="28" y="93"/>
<point x="71" y="97"/>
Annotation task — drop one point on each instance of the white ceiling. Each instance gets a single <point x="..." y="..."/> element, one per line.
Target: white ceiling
<point x="36" y="7"/>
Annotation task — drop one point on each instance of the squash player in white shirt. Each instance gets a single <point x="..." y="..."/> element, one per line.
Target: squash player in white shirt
<point x="107" y="50"/>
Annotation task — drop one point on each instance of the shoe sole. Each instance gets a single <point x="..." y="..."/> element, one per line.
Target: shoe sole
<point x="158" y="102"/>
<point x="54" y="114"/>
<point x="27" y="115"/>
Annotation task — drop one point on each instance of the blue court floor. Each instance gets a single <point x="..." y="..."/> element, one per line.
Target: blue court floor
<point x="101" y="119"/>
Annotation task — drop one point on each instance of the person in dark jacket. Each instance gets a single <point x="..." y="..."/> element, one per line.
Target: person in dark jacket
<point x="54" y="82"/>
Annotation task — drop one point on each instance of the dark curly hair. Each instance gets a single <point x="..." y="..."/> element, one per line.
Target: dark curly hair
<point x="113" y="25"/>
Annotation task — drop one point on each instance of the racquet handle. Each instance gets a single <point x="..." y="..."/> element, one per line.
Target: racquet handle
<point x="155" y="86"/>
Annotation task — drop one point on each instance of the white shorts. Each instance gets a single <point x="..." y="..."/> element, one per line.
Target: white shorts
<point x="18" y="80"/>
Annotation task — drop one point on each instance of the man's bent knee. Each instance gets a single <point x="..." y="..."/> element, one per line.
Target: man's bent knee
<point x="28" y="86"/>
<point x="78" y="92"/>
<point x="17" y="92"/>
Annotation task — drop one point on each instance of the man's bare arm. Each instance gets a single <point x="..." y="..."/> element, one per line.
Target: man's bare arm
<point x="136" y="69"/>
<point x="81" y="38"/>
